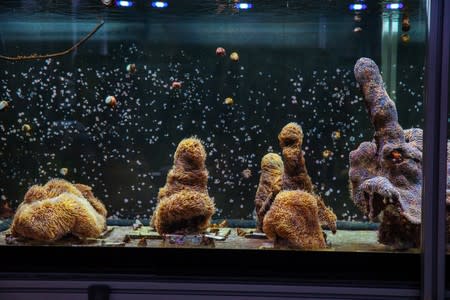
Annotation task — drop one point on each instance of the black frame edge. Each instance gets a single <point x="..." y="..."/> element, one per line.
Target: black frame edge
<point x="435" y="152"/>
<point x="266" y="265"/>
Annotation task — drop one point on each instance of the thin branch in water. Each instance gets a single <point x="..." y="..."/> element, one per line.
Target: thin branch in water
<point x="52" y="55"/>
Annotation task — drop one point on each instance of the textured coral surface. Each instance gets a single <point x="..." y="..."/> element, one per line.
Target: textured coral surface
<point x="326" y="215"/>
<point x="292" y="221"/>
<point x="184" y="205"/>
<point x="286" y="222"/>
<point x="57" y="209"/>
<point x="295" y="174"/>
<point x="269" y="186"/>
<point x="386" y="173"/>
<point x="87" y="193"/>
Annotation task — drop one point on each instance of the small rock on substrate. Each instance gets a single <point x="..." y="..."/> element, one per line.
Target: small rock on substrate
<point x="142" y="242"/>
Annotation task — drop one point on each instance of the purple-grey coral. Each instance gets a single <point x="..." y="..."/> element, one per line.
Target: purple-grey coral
<point x="386" y="173"/>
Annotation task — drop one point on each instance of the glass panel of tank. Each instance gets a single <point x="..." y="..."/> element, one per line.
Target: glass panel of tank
<point x="447" y="198"/>
<point x="260" y="124"/>
<point x="448" y="165"/>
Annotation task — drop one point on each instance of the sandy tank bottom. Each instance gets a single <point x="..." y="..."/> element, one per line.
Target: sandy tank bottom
<point x="220" y="238"/>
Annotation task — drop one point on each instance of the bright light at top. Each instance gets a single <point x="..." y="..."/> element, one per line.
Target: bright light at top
<point x="394" y="5"/>
<point x="160" y="4"/>
<point x="357" y="6"/>
<point x="123" y="3"/>
<point x="244" y="5"/>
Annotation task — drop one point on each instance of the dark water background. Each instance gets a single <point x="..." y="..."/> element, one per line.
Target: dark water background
<point x="296" y="64"/>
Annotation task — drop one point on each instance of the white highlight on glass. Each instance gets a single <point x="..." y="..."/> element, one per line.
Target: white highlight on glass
<point x="394" y="5"/>
<point x="160" y="4"/>
<point x="123" y="3"/>
<point x="244" y="5"/>
<point x="357" y="6"/>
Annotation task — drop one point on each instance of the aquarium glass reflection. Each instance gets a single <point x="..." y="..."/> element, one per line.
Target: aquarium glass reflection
<point x="447" y="198"/>
<point x="212" y="123"/>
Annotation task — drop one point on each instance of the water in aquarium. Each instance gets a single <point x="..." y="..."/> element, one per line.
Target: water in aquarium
<point x="226" y="124"/>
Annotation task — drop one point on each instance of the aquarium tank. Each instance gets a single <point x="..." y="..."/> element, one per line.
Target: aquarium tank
<point x="215" y="124"/>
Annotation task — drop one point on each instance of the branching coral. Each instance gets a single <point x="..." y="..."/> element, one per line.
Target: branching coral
<point x="292" y="221"/>
<point x="269" y="185"/>
<point x="57" y="209"/>
<point x="183" y="203"/>
<point x="386" y="173"/>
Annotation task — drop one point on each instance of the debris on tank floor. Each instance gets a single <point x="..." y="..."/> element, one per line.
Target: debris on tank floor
<point x="125" y="236"/>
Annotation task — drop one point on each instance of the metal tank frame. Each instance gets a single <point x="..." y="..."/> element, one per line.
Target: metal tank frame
<point x="135" y="273"/>
<point x="435" y="152"/>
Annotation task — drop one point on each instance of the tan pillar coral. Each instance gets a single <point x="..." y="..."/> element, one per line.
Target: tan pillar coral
<point x="184" y="205"/>
<point x="295" y="174"/>
<point x="326" y="215"/>
<point x="295" y="216"/>
<point x="292" y="221"/>
<point x="57" y="209"/>
<point x="269" y="185"/>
